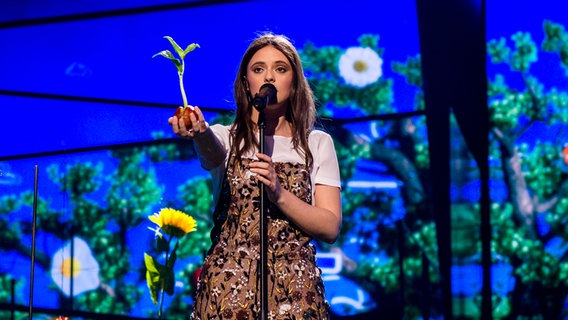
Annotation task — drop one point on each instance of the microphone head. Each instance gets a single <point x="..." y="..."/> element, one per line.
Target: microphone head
<point x="267" y="89"/>
<point x="266" y="95"/>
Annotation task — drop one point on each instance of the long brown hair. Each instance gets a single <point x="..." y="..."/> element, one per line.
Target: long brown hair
<point x="301" y="111"/>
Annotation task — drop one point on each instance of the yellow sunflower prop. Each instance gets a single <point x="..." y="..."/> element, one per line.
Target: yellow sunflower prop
<point x="160" y="276"/>
<point x="173" y="222"/>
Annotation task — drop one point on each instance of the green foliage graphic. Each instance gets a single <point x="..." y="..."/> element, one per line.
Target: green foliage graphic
<point x="535" y="176"/>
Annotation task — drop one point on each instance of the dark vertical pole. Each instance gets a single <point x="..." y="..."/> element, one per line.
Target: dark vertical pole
<point x="72" y="266"/>
<point x="452" y="42"/>
<point x="426" y="293"/>
<point x="401" y="276"/>
<point x="486" y="302"/>
<point x="472" y="116"/>
<point x="32" y="264"/>
<point x="436" y="97"/>
<point x="13" y="299"/>
<point x="263" y="229"/>
<point x="481" y="154"/>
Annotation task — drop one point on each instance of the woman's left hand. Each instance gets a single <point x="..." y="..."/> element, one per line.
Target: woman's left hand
<point x="265" y="173"/>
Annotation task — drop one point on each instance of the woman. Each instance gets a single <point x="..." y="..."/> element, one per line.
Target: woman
<point x="300" y="174"/>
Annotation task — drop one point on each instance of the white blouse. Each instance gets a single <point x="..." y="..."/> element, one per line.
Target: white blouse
<point x="325" y="168"/>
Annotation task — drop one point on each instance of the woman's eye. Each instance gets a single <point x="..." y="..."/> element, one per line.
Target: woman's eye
<point x="257" y="70"/>
<point x="281" y="69"/>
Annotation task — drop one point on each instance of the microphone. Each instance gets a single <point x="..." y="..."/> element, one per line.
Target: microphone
<point x="265" y="96"/>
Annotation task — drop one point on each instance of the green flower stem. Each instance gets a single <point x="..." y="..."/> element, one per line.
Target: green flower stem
<point x="161" y="299"/>
<point x="163" y="281"/>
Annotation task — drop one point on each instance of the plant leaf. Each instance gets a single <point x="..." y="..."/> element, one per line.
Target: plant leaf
<point x="168" y="55"/>
<point x="190" y="48"/>
<point x="165" y="53"/>
<point x="176" y="47"/>
<point x="150" y="263"/>
<point x="153" y="285"/>
<point x="152" y="277"/>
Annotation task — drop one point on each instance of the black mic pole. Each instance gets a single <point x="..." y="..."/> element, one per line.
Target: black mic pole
<point x="263" y="230"/>
<point x="265" y="96"/>
<point x="34" y="215"/>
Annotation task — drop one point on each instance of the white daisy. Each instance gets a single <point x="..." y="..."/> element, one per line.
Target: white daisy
<point x="85" y="271"/>
<point x="360" y="66"/>
<point x="284" y="308"/>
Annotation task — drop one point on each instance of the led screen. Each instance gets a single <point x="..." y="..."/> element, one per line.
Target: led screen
<point x="83" y="101"/>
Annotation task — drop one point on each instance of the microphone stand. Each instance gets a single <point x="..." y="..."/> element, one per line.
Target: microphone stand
<point x="266" y="95"/>
<point x="263" y="230"/>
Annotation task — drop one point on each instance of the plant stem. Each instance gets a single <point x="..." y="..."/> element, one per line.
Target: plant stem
<point x="181" y="87"/>
<point x="161" y="301"/>
<point x="162" y="284"/>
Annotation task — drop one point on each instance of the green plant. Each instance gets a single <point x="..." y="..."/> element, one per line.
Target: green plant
<point x="179" y="63"/>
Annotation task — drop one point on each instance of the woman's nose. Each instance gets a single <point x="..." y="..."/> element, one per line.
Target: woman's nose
<point x="269" y="77"/>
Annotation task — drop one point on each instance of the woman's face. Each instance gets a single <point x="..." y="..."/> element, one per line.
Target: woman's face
<point x="269" y="65"/>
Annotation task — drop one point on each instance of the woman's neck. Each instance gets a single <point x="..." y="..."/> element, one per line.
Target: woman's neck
<point x="275" y="123"/>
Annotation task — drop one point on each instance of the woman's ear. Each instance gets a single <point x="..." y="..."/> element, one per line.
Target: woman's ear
<point x="247" y="89"/>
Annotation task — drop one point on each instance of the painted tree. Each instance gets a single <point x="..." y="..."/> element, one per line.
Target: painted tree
<point x="350" y="80"/>
<point x="529" y="232"/>
<point x="529" y="228"/>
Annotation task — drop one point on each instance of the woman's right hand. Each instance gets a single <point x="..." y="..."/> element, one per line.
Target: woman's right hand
<point x="210" y="150"/>
<point x="199" y="125"/>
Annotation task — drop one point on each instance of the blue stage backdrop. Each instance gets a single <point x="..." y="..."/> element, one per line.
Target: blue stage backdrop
<point x="83" y="101"/>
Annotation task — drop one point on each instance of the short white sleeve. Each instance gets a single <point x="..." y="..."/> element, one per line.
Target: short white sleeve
<point x="326" y="166"/>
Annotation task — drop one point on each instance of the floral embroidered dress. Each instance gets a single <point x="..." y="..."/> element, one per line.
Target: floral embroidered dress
<point x="229" y="287"/>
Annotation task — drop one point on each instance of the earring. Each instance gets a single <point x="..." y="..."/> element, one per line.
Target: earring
<point x="245" y="83"/>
